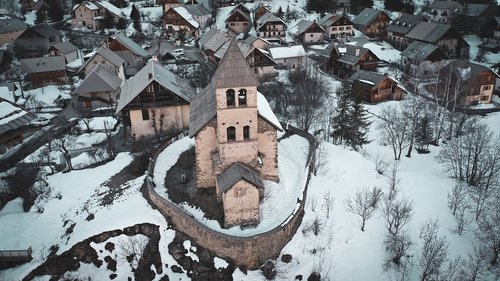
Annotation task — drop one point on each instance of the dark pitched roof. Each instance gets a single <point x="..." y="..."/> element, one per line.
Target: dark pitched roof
<point x="197" y="10"/>
<point x="443" y="5"/>
<point x="45" y="30"/>
<point x="233" y="70"/>
<point x="43" y="64"/>
<point x="404" y="23"/>
<point x="368" y="77"/>
<point x="476" y="10"/>
<point x="234" y="174"/>
<point x="106" y="53"/>
<point x="428" y="31"/>
<point x="131" y="45"/>
<point x="11" y="25"/>
<point x="347" y="53"/>
<point x="268" y="17"/>
<point x="153" y="71"/>
<point x="329" y="19"/>
<point x="475" y="69"/>
<point x="366" y="17"/>
<point x="303" y="25"/>
<point x="65" y="47"/>
<point x="241" y="12"/>
<point x="418" y="51"/>
<point x="100" y="79"/>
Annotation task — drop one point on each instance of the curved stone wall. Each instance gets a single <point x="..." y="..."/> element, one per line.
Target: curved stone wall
<point x="251" y="251"/>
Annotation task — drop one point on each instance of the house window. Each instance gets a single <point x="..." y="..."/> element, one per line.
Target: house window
<point x="231" y="134"/>
<point x="311" y="35"/>
<point x="242" y="97"/>
<point x="230" y="97"/>
<point x="246" y="132"/>
<point x="347" y="28"/>
<point x="483" y="98"/>
<point x="145" y="114"/>
<point x="487" y="87"/>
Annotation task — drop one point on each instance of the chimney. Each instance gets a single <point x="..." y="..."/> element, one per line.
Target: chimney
<point x="357" y="51"/>
<point x="150" y="75"/>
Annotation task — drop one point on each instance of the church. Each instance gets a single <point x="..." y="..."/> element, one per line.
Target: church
<point x="236" y="144"/>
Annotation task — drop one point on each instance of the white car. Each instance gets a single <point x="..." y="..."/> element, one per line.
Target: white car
<point x="40" y="122"/>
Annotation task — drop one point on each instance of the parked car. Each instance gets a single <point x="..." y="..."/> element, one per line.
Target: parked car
<point x="40" y="122"/>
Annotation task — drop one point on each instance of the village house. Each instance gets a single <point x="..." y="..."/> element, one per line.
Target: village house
<point x="270" y="26"/>
<point x="106" y="58"/>
<point x="371" y="22"/>
<point x="235" y="135"/>
<point x="373" y="87"/>
<point x="444" y="11"/>
<point x="343" y="60"/>
<point x="290" y="57"/>
<point x="239" y="20"/>
<point x="397" y="30"/>
<point x="491" y="31"/>
<point x="225" y="3"/>
<point x="442" y="35"/>
<point x="35" y="41"/>
<point x="65" y="49"/>
<point x="10" y="29"/>
<point x="44" y="70"/>
<point x="464" y="83"/>
<point x="257" y="42"/>
<point x="14" y="124"/>
<point x="211" y="41"/>
<point x="90" y="15"/>
<point x="420" y="58"/>
<point x="30" y="5"/>
<point x="135" y="56"/>
<point x="5" y="64"/>
<point x="99" y="89"/>
<point x="476" y="16"/>
<point x="154" y="102"/>
<point x="336" y="26"/>
<point x="167" y="4"/>
<point x="307" y="32"/>
<point x="188" y="18"/>
<point x="260" y="11"/>
<point x="261" y="62"/>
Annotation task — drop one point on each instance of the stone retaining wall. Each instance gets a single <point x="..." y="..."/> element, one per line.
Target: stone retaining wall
<point x="251" y="251"/>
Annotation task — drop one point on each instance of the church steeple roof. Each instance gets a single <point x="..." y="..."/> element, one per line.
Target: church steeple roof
<point x="234" y="70"/>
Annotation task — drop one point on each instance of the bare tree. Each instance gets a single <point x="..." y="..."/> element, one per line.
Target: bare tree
<point x="462" y="220"/>
<point x="434" y="251"/>
<point x="474" y="267"/>
<point x="380" y="164"/>
<point x="488" y="233"/>
<point x="320" y="163"/>
<point x="411" y="110"/>
<point x="393" y="181"/>
<point x="62" y="146"/>
<point x="457" y="197"/>
<point x="397" y="247"/>
<point x="376" y="195"/>
<point x="158" y="123"/>
<point x="110" y="145"/>
<point x="328" y="202"/>
<point x="361" y="205"/>
<point x="133" y="246"/>
<point x="395" y="129"/>
<point x="397" y="213"/>
<point x="452" y="271"/>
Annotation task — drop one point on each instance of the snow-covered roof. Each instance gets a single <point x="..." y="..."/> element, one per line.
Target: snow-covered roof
<point x="107" y="54"/>
<point x="153" y="71"/>
<point x="268" y="17"/>
<point x="302" y="27"/>
<point x="131" y="45"/>
<point x="187" y="16"/>
<point x="89" y="5"/>
<point x="111" y="8"/>
<point x="265" y="111"/>
<point x="13" y="116"/>
<point x="367" y="16"/>
<point x="6" y="94"/>
<point x="287" y="52"/>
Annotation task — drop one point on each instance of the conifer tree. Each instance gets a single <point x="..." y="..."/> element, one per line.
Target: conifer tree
<point x="121" y="24"/>
<point x="136" y="18"/>
<point x="280" y="14"/>
<point x="360" y="124"/>
<point x="55" y="11"/>
<point x="423" y="134"/>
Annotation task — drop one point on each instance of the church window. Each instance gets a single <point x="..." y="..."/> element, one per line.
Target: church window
<point x="230" y="97"/>
<point x="231" y="134"/>
<point x="242" y="97"/>
<point x="246" y="132"/>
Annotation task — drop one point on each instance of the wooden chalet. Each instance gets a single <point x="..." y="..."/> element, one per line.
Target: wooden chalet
<point x="371" y="22"/>
<point x="35" y="41"/>
<point x="44" y="70"/>
<point x="397" y="30"/>
<point x="239" y="20"/>
<point x="373" y="87"/>
<point x="344" y="60"/>
<point x="336" y="26"/>
<point x="307" y="32"/>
